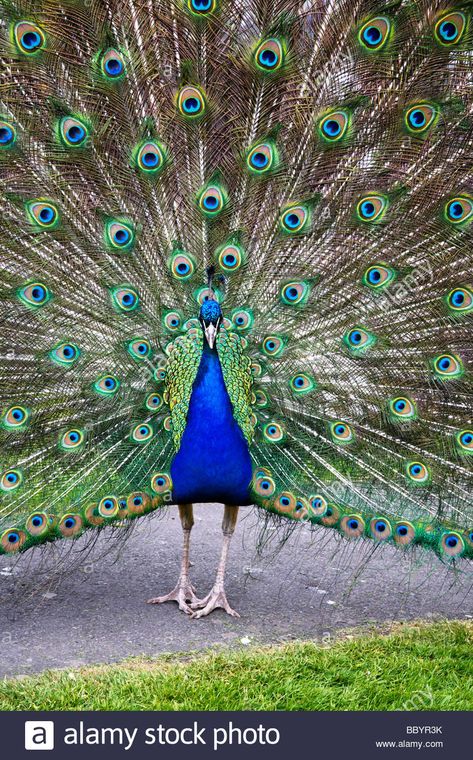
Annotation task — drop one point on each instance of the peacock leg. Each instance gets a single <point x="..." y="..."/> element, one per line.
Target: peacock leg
<point x="217" y="597"/>
<point x="184" y="590"/>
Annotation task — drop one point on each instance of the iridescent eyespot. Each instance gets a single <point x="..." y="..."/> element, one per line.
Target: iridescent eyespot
<point x="230" y="257"/>
<point x="112" y="64"/>
<point x="29" y="37"/>
<point x="450" y="28"/>
<point x="374" y="33"/>
<point x="72" y="439"/>
<point x="302" y="384"/>
<point x="191" y="102"/>
<point x="106" y="385"/>
<point x="378" y="276"/>
<point x="73" y="132"/>
<point x="150" y="157"/>
<point x="262" y="158"/>
<point x="402" y="408"/>
<point x="7" y="134"/>
<point x="137" y="503"/>
<point x="201" y="7"/>
<point x="256" y="369"/>
<point x="273" y="432"/>
<point x="37" y="524"/>
<point x="461" y="299"/>
<point x="108" y="506"/>
<point x="419" y="118"/>
<point x="154" y="402"/>
<point x="119" y="235"/>
<point x="139" y="348"/>
<point x="12" y="540"/>
<point x="352" y="526"/>
<point x="417" y="472"/>
<point x="295" y="219"/>
<point x="447" y="366"/>
<point x="161" y="482"/>
<point x="269" y="55"/>
<point x="465" y="440"/>
<point x="295" y="293"/>
<point x="242" y="319"/>
<point x="16" y="417"/>
<point x="142" y="433"/>
<point x="264" y="485"/>
<point x="380" y="528"/>
<point x="358" y="339"/>
<point x="371" y="208"/>
<point x="452" y="544"/>
<point x="211" y="200"/>
<point x="341" y="432"/>
<point x="172" y="321"/>
<point x="404" y="533"/>
<point x="182" y="265"/>
<point x="331" y="516"/>
<point x="35" y="294"/>
<point x="43" y="213"/>
<point x="273" y="345"/>
<point x="459" y="210"/>
<point x="160" y="374"/>
<point x="10" y="480"/>
<point x="261" y="398"/>
<point x="317" y="505"/>
<point x="285" y="502"/>
<point x="125" y="299"/>
<point x="70" y="525"/>
<point x="333" y="127"/>
<point x="65" y="353"/>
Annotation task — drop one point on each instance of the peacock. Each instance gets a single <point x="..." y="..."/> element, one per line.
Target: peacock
<point x="235" y="253"/>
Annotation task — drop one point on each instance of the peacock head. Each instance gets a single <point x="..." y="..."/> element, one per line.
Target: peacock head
<point x="210" y="318"/>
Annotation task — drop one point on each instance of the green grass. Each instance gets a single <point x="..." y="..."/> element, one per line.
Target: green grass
<point x="416" y="666"/>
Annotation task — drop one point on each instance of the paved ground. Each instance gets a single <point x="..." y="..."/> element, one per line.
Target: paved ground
<point x="312" y="587"/>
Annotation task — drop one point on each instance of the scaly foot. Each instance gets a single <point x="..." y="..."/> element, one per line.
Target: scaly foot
<point x="183" y="593"/>
<point x="217" y="598"/>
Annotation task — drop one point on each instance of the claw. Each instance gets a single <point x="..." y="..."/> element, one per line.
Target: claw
<point x="216" y="599"/>
<point x="183" y="593"/>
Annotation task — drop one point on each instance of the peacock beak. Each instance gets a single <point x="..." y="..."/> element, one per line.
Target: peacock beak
<point x="210" y="333"/>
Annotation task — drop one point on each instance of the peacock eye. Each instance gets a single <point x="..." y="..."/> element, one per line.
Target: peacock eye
<point x="419" y="118"/>
<point x="108" y="506"/>
<point x="452" y="544"/>
<point x="142" y="433"/>
<point x="465" y="440"/>
<point x="333" y="127"/>
<point x="37" y="523"/>
<point x="449" y="29"/>
<point x="154" y="402"/>
<point x="404" y="533"/>
<point x="16" y="417"/>
<point x="35" y="294"/>
<point x="191" y="102"/>
<point x="262" y="158"/>
<point x="295" y="219"/>
<point x="10" y="480"/>
<point x="460" y="299"/>
<point x="211" y="200"/>
<point x="119" y="235"/>
<point x="201" y="7"/>
<point x="342" y="432"/>
<point x="285" y="502"/>
<point x="242" y="319"/>
<point x="12" y="540"/>
<point x="273" y="345"/>
<point x="378" y="276"/>
<point x="65" y="353"/>
<point x="70" y="525"/>
<point x="72" y="439"/>
<point x="269" y="55"/>
<point x="358" y="339"/>
<point x="7" y="134"/>
<point x="263" y="484"/>
<point x="106" y="385"/>
<point x="73" y="132"/>
<point x="402" y="407"/>
<point x="447" y="366"/>
<point x="273" y="432"/>
<point x="150" y="157"/>
<point x="125" y="299"/>
<point x="380" y="528"/>
<point x="417" y="472"/>
<point x="29" y="37"/>
<point x="43" y="214"/>
<point x="352" y="526"/>
<point x="230" y="257"/>
<point x="371" y="208"/>
<point x="173" y="321"/>
<point x="302" y="384"/>
<point x="112" y="64"/>
<point x="139" y="348"/>
<point x="459" y="210"/>
<point x="318" y="505"/>
<point x="161" y="482"/>
<point x="182" y="266"/>
<point x="374" y="33"/>
<point x="295" y="293"/>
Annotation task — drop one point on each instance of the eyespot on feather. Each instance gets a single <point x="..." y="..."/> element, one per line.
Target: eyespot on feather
<point x="29" y="38"/>
<point x="13" y="540"/>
